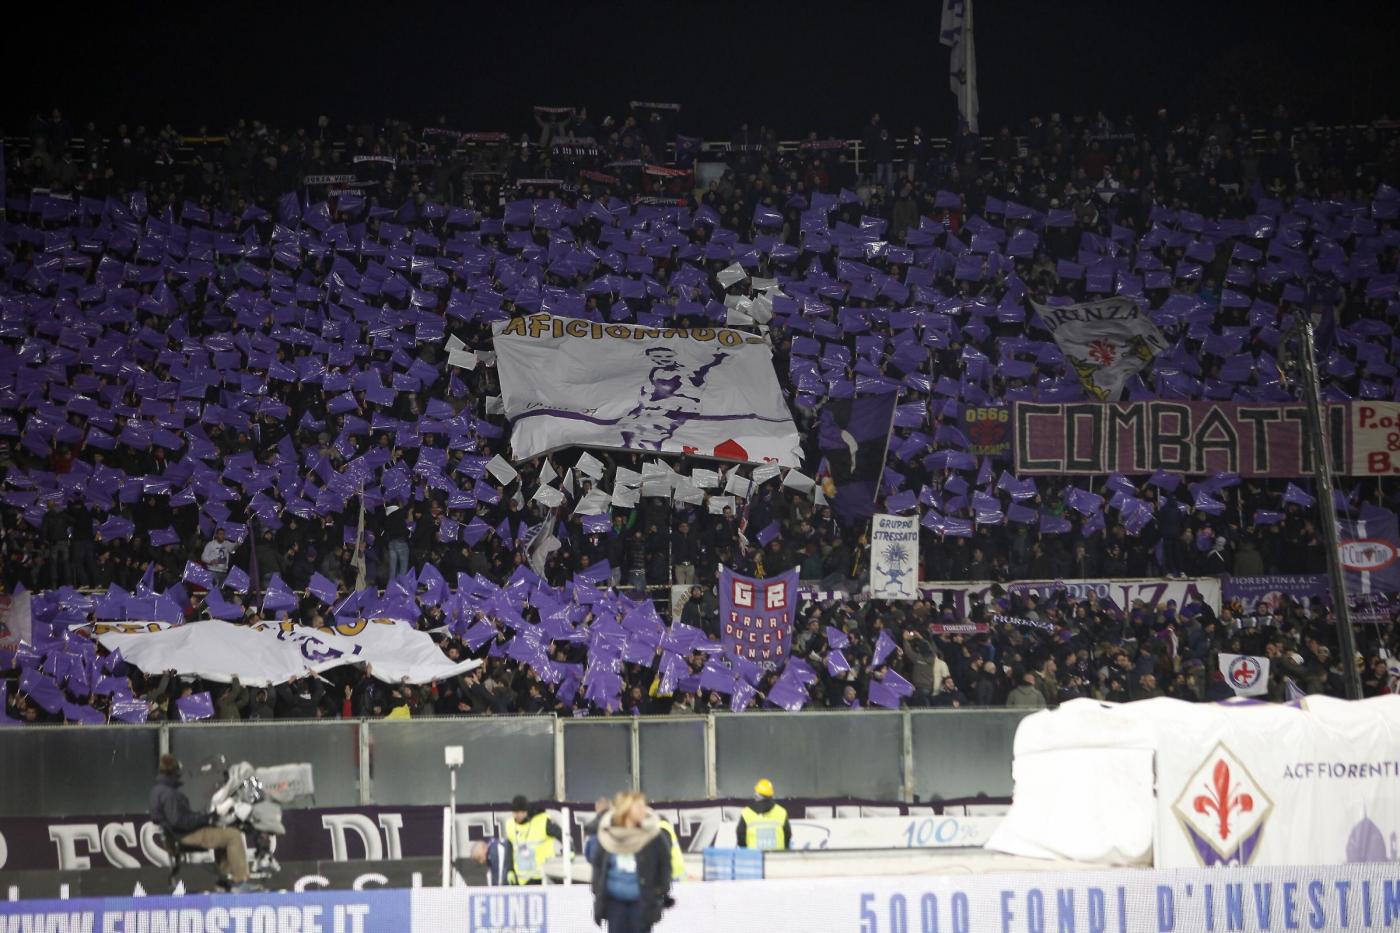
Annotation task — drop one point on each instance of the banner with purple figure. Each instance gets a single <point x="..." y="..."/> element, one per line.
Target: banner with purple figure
<point x="854" y="434"/>
<point x="894" y="556"/>
<point x="756" y="615"/>
<point x="1370" y="551"/>
<point x="704" y="391"/>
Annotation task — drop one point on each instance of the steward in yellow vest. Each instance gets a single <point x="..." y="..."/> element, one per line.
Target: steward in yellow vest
<point x="532" y="837"/>
<point x="764" y="823"/>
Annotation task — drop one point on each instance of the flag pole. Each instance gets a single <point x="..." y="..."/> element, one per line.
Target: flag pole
<point x="1322" y="464"/>
<point x="969" y="71"/>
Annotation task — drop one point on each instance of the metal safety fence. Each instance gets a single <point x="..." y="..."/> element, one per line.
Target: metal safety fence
<point x="897" y="755"/>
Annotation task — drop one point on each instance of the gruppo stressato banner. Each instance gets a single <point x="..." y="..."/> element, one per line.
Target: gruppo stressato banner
<point x="1085" y="438"/>
<point x="1360" y="897"/>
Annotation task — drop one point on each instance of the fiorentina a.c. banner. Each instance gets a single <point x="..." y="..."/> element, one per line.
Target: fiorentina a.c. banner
<point x="709" y="391"/>
<point x="757" y="615"/>
<point x="894" y="556"/>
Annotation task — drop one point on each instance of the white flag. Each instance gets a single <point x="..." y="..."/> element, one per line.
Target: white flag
<point x="594" y="502"/>
<point x="548" y="496"/>
<point x="705" y="479"/>
<point x="500" y="468"/>
<point x="730" y="274"/>
<point x="1105" y="341"/>
<point x="1247" y="674"/>
<point x="589" y="466"/>
<point x="956" y="33"/>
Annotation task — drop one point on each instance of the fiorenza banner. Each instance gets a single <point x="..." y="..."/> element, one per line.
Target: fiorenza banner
<point x="706" y="391"/>
<point x="894" y="557"/>
<point x="1105" y="341"/>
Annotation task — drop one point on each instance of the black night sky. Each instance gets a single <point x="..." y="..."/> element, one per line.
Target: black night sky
<point x="797" y="66"/>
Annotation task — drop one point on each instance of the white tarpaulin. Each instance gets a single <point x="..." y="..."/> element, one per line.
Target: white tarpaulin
<point x="894" y="556"/>
<point x="1105" y="341"/>
<point x="1238" y="783"/>
<point x="273" y="653"/>
<point x="707" y="391"/>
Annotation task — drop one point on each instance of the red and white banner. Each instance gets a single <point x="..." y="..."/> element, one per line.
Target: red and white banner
<point x="1375" y="438"/>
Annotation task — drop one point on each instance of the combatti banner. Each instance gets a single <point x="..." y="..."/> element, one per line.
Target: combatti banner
<point x="707" y="391"/>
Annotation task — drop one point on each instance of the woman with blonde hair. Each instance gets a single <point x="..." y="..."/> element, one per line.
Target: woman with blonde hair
<point x="631" y="867"/>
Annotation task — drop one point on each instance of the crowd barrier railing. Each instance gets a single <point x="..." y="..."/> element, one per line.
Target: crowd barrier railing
<point x="911" y="756"/>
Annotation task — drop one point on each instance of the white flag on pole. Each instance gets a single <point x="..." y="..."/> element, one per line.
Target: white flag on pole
<point x="1247" y="674"/>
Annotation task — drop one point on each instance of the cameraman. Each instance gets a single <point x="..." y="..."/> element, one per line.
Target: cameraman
<point x="170" y="809"/>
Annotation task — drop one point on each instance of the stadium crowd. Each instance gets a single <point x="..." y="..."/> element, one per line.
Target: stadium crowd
<point x="225" y="360"/>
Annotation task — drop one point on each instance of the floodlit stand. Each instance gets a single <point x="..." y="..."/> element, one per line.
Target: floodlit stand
<point x="452" y="757"/>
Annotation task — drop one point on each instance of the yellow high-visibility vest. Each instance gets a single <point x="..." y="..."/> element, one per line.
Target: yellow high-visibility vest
<point x="531" y="846"/>
<point x="677" y="853"/>
<point x="765" y="830"/>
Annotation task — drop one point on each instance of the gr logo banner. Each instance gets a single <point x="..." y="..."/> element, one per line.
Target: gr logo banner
<point x="509" y="913"/>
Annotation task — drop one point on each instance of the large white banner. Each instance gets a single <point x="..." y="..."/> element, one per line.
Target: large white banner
<point x="1215" y="784"/>
<point x="273" y="653"/>
<point x="1105" y="341"/>
<point x="706" y="391"/>
<point x="894" y="557"/>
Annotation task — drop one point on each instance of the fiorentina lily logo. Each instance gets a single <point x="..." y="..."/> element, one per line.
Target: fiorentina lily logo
<point x="1223" y="810"/>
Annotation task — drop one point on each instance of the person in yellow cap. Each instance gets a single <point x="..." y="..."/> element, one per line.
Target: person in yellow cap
<point x="764" y="823"/>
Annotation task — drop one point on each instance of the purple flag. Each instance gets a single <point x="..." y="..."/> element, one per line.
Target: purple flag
<point x="199" y="575"/>
<point x="278" y="596"/>
<point x="853" y="434"/>
<point x="880" y="694"/>
<point x="134" y="710"/>
<point x="1370" y="545"/>
<point x="789" y="694"/>
<point x="237" y="580"/>
<point x="884" y="647"/>
<point x="1298" y="497"/>
<point x="756" y="615"/>
<point x="836" y="662"/>
<point x="195" y="706"/>
<point x="322" y="588"/>
<point x="41" y="690"/>
<point x="717" y="677"/>
<point x="836" y="639"/>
